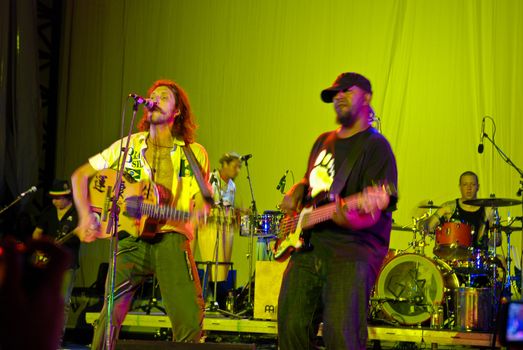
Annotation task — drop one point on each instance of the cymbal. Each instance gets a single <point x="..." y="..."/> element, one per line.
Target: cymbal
<point x="429" y="206"/>
<point x="492" y="202"/>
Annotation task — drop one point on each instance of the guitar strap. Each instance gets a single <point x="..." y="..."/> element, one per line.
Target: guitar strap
<point x="197" y="171"/>
<point x="341" y="177"/>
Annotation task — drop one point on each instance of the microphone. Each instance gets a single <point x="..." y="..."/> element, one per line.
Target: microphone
<point x="246" y="157"/>
<point x="213" y="179"/>
<point x="147" y="102"/>
<point x="281" y="184"/>
<point x="480" y="146"/>
<point x="31" y="190"/>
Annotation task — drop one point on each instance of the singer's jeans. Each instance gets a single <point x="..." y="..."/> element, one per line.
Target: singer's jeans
<point x="172" y="261"/>
<point x="317" y="287"/>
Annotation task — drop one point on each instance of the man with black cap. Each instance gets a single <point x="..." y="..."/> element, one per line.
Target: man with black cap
<point x="332" y="280"/>
<point x="56" y="222"/>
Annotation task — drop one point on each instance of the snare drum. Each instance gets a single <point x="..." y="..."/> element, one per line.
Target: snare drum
<point x="453" y="241"/>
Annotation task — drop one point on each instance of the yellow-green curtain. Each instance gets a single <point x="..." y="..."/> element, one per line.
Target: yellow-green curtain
<point x="254" y="71"/>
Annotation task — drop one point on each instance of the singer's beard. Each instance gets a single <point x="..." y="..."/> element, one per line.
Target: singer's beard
<point x="157" y="118"/>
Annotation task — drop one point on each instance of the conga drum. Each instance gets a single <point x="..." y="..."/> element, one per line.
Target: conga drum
<point x="221" y="224"/>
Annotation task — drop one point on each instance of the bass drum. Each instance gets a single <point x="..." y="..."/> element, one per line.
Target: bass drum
<point x="410" y="286"/>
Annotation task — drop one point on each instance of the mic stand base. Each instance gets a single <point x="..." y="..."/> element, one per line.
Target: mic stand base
<point x="215" y="308"/>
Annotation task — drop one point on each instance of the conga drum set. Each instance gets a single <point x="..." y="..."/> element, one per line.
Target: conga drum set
<point x="458" y="288"/>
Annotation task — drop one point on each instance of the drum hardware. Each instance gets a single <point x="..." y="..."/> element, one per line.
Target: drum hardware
<point x="406" y="228"/>
<point x="509" y="278"/>
<point x="415" y="301"/>
<point x="418" y="228"/>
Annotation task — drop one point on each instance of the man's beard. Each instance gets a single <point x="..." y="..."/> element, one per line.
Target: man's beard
<point x="347" y="119"/>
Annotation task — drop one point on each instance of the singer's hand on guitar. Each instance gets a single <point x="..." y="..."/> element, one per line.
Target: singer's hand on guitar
<point x="88" y="228"/>
<point x="291" y="202"/>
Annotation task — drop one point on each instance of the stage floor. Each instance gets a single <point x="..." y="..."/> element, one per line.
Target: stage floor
<point x="422" y="337"/>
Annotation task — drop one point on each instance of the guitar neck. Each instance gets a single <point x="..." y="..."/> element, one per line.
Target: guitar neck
<point x="65" y="238"/>
<point x="325" y="212"/>
<point x="156" y="211"/>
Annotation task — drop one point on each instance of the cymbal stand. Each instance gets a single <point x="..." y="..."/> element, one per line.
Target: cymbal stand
<point x="509" y="278"/>
<point x="492" y="254"/>
<point x="419" y="245"/>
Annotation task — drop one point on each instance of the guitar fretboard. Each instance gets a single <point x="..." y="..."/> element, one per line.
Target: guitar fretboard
<point x="316" y="216"/>
<point x="135" y="208"/>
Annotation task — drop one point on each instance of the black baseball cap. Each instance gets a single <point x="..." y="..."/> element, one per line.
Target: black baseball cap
<point x="343" y="82"/>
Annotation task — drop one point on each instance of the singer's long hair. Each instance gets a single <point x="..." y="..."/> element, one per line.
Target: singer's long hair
<point x="184" y="125"/>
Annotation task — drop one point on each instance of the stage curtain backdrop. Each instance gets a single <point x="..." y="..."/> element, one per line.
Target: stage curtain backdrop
<point x="20" y="114"/>
<point x="254" y="71"/>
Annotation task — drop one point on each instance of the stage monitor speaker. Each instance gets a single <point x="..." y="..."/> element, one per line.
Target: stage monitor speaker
<point x="267" y="288"/>
<point x="165" y="345"/>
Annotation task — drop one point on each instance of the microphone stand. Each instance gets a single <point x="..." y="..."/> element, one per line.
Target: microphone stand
<point x="16" y="200"/>
<point x="250" y="253"/>
<point x="520" y="172"/>
<point x="112" y="229"/>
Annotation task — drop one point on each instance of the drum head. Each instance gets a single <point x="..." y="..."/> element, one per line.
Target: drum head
<point x="411" y="284"/>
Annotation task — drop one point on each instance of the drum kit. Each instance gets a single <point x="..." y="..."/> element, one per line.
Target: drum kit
<point x="459" y="288"/>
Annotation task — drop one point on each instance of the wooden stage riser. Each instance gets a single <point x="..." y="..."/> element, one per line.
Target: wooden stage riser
<point x="415" y="335"/>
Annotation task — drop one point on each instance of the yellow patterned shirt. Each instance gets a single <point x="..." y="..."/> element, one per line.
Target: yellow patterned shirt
<point x="184" y="185"/>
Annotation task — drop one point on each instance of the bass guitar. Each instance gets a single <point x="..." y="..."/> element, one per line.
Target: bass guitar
<point x="291" y="227"/>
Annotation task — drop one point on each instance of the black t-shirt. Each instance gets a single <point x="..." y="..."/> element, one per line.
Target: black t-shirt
<point x="375" y="164"/>
<point x="56" y="229"/>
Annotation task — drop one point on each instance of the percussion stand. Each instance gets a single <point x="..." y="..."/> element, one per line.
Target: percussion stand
<point x="220" y="228"/>
<point x="214" y="306"/>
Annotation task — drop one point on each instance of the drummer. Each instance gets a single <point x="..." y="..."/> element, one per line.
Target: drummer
<point x="456" y="211"/>
<point x="222" y="222"/>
